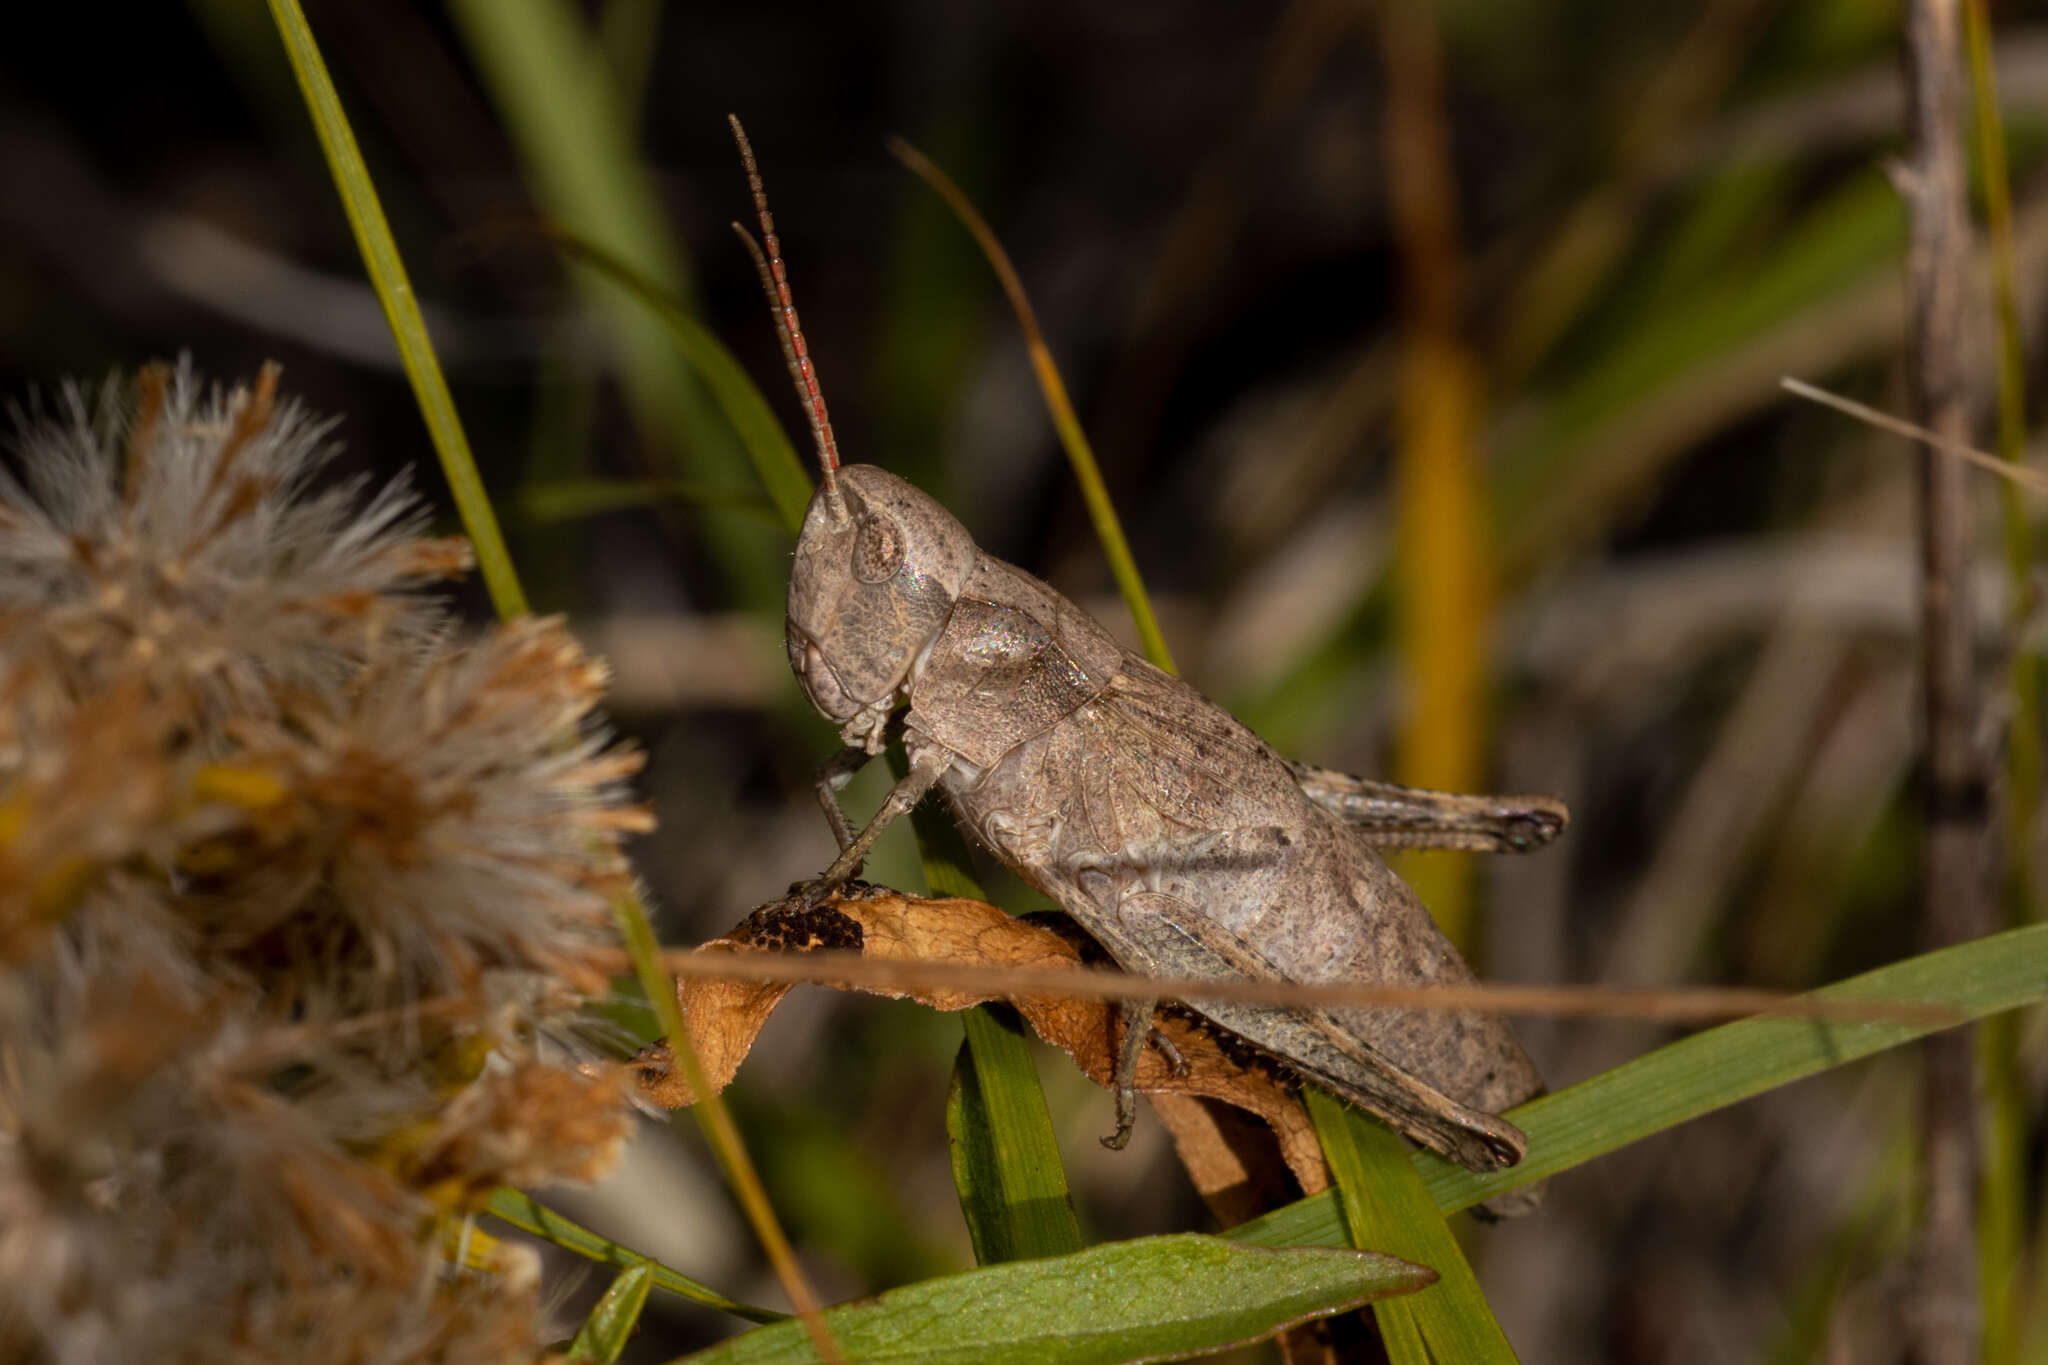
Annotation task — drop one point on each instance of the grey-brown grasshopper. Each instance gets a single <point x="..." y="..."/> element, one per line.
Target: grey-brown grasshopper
<point x="1169" y="831"/>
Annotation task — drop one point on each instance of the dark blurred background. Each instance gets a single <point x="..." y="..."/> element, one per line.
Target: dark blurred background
<point x="1431" y="354"/>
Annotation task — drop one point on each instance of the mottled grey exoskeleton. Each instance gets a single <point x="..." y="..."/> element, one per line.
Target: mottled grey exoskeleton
<point x="1173" y="834"/>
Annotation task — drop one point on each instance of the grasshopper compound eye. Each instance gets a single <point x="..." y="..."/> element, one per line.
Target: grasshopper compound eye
<point x="877" y="549"/>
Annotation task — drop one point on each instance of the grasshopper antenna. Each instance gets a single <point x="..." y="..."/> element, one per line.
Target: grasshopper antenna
<point x="782" y="307"/>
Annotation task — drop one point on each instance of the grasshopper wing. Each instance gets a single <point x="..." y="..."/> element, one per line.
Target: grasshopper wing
<point x="1226" y="868"/>
<point x="1187" y="847"/>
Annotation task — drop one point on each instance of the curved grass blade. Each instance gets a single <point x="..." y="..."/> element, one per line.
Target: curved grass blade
<point x="1107" y="529"/>
<point x="1010" y="1177"/>
<point x="1152" y="1298"/>
<point x="394" y="290"/>
<point x="774" y="459"/>
<point x="610" y="1325"/>
<point x="1388" y="1208"/>
<point x="543" y="66"/>
<point x="1710" y="1071"/>
<point x="401" y="309"/>
<point x="528" y="1214"/>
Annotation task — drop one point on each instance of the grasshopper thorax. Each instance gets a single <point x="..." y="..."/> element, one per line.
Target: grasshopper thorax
<point x="877" y="571"/>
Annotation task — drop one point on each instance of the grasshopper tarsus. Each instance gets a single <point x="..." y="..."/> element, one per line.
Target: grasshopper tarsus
<point x="815" y="892"/>
<point x="1527" y="831"/>
<point x="1130" y="1026"/>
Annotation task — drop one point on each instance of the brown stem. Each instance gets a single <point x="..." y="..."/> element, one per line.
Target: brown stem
<point x="1945" y="1320"/>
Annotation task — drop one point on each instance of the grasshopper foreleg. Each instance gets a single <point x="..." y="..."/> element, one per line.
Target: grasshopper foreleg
<point x="841" y="769"/>
<point x="832" y="779"/>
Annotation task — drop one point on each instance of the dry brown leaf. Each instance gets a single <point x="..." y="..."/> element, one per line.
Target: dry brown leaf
<point x="726" y="1015"/>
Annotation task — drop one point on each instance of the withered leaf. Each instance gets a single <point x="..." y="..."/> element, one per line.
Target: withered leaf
<point x="726" y="1015"/>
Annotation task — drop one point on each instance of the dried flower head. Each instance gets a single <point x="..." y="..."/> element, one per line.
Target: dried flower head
<point x="294" y="884"/>
<point x="174" y="532"/>
<point x="446" y="815"/>
<point x="525" y="1126"/>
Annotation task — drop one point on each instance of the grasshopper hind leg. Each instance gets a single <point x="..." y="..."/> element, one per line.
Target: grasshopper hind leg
<point x="1130" y="1030"/>
<point x="1392" y="816"/>
<point x="1130" y="1027"/>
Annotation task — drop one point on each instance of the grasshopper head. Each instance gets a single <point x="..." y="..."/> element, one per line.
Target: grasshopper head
<point x="877" y="570"/>
<point x="878" y="564"/>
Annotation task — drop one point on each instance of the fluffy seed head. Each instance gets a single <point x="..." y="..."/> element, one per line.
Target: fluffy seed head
<point x="296" y="887"/>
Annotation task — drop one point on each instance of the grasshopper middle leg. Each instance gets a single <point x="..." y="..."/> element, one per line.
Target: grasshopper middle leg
<point x="925" y="768"/>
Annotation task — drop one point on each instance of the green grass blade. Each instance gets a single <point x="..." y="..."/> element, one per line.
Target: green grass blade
<point x="1710" y="1071"/>
<point x="394" y="290"/>
<point x="1016" y="1202"/>
<point x="401" y="309"/>
<point x="1007" y="1168"/>
<point x="1388" y="1208"/>
<point x="1152" y="1298"/>
<point x="1093" y="491"/>
<point x="528" y="1214"/>
<point x="774" y="459"/>
<point x="1737" y="1061"/>
<point x="605" y="1332"/>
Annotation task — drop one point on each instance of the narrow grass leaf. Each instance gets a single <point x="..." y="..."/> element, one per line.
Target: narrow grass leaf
<point x="1709" y="1071"/>
<point x="1152" y="1298"/>
<point x="561" y="99"/>
<point x="1388" y="1208"/>
<point x="1737" y="1061"/>
<point x="528" y="1214"/>
<point x="1093" y="491"/>
<point x="430" y="389"/>
<point x="401" y="309"/>
<point x="775" y="460"/>
<point x="1016" y="1202"/>
<point x="610" y="1325"/>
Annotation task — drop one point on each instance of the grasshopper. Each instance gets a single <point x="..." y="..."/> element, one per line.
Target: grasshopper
<point x="1174" y="835"/>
